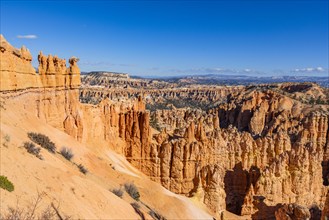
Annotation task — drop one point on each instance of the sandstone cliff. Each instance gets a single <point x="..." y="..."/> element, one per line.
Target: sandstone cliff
<point x="253" y="151"/>
<point x="325" y="211"/>
<point x="17" y="72"/>
<point x="257" y="144"/>
<point x="47" y="101"/>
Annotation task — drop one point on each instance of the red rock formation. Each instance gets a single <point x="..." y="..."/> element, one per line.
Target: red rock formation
<point x="17" y="72"/>
<point x="325" y="211"/>
<point x="291" y="212"/>
<point x="259" y="130"/>
<point x="270" y="152"/>
<point x="250" y="154"/>
<point x="15" y="68"/>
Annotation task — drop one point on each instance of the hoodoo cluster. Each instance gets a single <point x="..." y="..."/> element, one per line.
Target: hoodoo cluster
<point x="17" y="73"/>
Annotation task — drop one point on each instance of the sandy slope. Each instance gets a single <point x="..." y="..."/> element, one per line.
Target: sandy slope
<point x="78" y="195"/>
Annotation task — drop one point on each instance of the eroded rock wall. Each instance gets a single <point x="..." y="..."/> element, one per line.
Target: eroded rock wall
<point x="17" y="72"/>
<point x="265" y="142"/>
<point x="53" y="95"/>
<point x="248" y="155"/>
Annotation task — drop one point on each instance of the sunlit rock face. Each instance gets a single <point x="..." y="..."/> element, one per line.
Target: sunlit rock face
<point x="258" y="144"/>
<point x="258" y="152"/>
<point x="258" y="149"/>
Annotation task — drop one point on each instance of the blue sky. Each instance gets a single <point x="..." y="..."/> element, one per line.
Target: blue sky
<point x="176" y="37"/>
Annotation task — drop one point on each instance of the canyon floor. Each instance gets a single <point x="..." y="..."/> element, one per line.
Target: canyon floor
<point x="156" y="149"/>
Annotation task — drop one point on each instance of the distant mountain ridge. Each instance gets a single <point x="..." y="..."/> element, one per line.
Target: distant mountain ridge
<point x="217" y="79"/>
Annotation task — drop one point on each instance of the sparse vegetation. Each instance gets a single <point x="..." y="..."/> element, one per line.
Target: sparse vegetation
<point x="2" y="105"/>
<point x="31" y="211"/>
<point x="320" y="101"/>
<point x="6" y="184"/>
<point x="90" y="99"/>
<point x="67" y="153"/>
<point x="43" y="141"/>
<point x="312" y="100"/>
<point x="156" y="215"/>
<point x="183" y="103"/>
<point x="154" y="122"/>
<point x="117" y="192"/>
<point x="136" y="206"/>
<point x="82" y="169"/>
<point x="6" y="140"/>
<point x="32" y="149"/>
<point x="132" y="190"/>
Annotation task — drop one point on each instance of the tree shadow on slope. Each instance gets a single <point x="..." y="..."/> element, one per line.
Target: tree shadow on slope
<point x="237" y="183"/>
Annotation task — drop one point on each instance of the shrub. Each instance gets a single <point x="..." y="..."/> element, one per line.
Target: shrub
<point x="117" y="192"/>
<point x="132" y="190"/>
<point x="67" y="153"/>
<point x="89" y="99"/>
<point x="156" y="215"/>
<point x="154" y="122"/>
<point x="6" y="184"/>
<point x="7" y="140"/>
<point x="32" y="149"/>
<point x="2" y="105"/>
<point x="82" y="169"/>
<point x="43" y="141"/>
<point x="32" y="211"/>
<point x="136" y="206"/>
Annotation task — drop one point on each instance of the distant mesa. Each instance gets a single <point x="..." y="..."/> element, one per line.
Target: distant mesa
<point x="108" y="74"/>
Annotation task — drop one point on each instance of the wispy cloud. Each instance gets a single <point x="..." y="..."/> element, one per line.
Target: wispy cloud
<point x="310" y="70"/>
<point x="154" y="68"/>
<point x="30" y="36"/>
<point x="96" y="63"/>
<point x="103" y="64"/>
<point x="127" y="65"/>
<point x="208" y="70"/>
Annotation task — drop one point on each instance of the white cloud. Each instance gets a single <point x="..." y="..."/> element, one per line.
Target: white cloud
<point x="309" y="70"/>
<point x="104" y="64"/>
<point x="96" y="63"/>
<point x="320" y="69"/>
<point x="30" y="36"/>
<point x="217" y="70"/>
